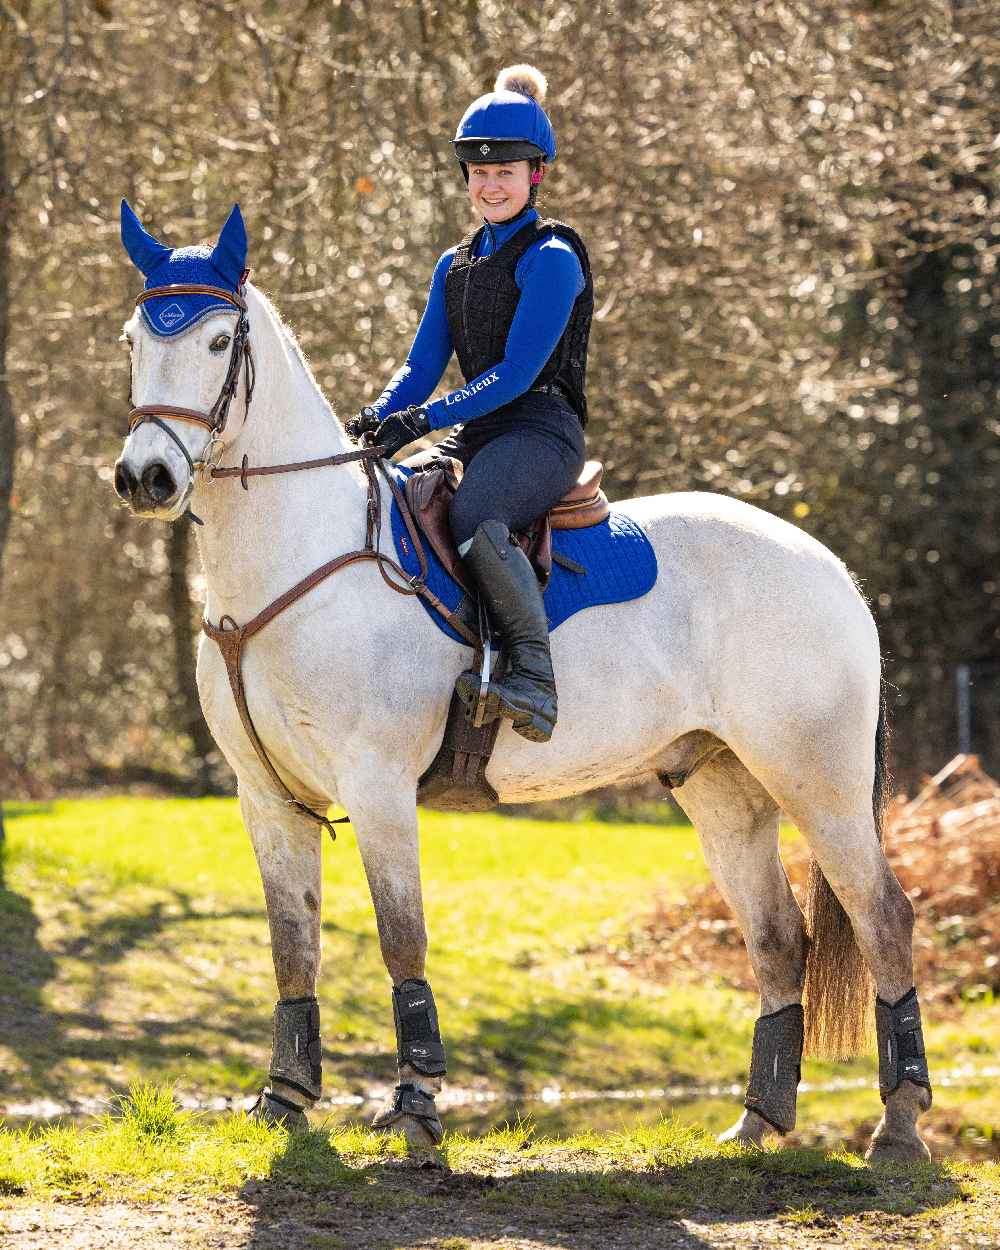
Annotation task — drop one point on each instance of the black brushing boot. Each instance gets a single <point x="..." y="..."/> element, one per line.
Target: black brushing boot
<point x="526" y="694"/>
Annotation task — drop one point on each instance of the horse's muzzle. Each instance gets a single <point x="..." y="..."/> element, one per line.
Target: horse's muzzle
<point x="155" y="489"/>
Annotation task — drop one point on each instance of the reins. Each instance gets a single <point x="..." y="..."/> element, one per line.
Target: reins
<point x="231" y="637"/>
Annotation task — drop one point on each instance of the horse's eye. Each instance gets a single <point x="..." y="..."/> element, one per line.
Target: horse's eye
<point x="219" y="343"/>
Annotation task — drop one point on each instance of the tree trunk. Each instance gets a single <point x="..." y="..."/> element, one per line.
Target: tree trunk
<point x="8" y="429"/>
<point x="190" y="718"/>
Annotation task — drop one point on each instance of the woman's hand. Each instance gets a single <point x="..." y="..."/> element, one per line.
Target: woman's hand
<point x="366" y="421"/>
<point x="401" y="428"/>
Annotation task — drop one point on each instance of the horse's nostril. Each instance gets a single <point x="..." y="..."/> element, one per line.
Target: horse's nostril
<point x="125" y="481"/>
<point x="159" y="482"/>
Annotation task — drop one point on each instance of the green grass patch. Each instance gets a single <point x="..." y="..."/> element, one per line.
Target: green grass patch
<point x="138" y="939"/>
<point x="134" y="948"/>
<point x="151" y="1151"/>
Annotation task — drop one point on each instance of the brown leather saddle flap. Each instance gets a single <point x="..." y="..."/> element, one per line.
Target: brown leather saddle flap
<point x="456" y="780"/>
<point x="428" y="493"/>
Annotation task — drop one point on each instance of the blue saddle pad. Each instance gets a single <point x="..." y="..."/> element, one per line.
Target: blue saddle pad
<point x="618" y="559"/>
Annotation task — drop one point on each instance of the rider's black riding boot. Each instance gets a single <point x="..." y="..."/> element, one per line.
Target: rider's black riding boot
<point x="510" y="592"/>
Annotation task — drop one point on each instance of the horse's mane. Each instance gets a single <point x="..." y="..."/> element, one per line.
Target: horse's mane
<point x="288" y="336"/>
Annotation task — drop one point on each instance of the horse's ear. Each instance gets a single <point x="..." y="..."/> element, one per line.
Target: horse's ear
<point x="230" y="253"/>
<point x="146" y="252"/>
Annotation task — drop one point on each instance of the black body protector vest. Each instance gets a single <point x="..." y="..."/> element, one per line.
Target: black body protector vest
<point x="481" y="297"/>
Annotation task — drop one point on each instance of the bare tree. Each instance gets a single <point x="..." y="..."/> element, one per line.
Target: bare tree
<point x="792" y="217"/>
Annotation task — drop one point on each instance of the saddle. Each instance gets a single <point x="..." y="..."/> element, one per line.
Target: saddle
<point x="429" y="492"/>
<point x="456" y="779"/>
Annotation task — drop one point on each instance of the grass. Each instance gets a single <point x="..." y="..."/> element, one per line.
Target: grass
<point x="152" y="1151"/>
<point x="143" y="944"/>
<point x="134" y="948"/>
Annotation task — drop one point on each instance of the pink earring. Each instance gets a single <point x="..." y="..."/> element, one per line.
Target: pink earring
<point x="536" y="177"/>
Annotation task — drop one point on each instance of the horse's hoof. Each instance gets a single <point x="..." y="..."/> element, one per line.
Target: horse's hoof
<point x="422" y="1138"/>
<point x="271" y="1109"/>
<point x="411" y="1111"/>
<point x="886" y="1147"/>
<point x="749" y="1130"/>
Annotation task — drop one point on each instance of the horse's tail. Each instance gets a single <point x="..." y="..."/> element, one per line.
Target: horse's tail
<point x="839" y="991"/>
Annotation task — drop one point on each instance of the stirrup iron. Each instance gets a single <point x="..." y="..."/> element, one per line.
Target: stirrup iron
<point x="485" y="673"/>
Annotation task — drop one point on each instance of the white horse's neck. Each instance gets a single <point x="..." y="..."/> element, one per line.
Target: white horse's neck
<point x="255" y="544"/>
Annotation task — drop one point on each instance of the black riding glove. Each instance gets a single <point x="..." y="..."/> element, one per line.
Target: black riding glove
<point x="366" y="421"/>
<point x="402" y="428"/>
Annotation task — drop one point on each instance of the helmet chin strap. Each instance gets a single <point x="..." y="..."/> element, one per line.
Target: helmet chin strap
<point x="537" y="174"/>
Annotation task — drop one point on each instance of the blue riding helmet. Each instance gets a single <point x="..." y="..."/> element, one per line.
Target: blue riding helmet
<point x="504" y="126"/>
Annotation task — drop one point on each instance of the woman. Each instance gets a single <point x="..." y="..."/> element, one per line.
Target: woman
<point x="514" y="301"/>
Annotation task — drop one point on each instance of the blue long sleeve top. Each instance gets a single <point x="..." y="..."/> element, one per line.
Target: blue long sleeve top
<point x="549" y="277"/>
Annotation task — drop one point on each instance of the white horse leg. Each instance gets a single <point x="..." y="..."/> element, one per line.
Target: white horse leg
<point x="737" y="822"/>
<point x="385" y="824"/>
<point x="852" y="861"/>
<point x="856" y="909"/>
<point x="287" y="846"/>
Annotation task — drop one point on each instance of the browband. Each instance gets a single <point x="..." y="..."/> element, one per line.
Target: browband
<point x="191" y="288"/>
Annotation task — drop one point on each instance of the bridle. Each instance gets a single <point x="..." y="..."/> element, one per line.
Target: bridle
<point x="240" y="356"/>
<point x="228" y="635"/>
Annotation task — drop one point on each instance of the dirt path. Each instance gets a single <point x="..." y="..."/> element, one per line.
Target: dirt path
<point x="405" y="1207"/>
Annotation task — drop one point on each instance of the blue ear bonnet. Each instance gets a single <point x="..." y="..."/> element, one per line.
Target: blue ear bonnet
<point x="170" y="314"/>
<point x="221" y="266"/>
<point x="508" y="115"/>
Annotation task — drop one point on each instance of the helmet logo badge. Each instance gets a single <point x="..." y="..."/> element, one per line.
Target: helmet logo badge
<point x="484" y="148"/>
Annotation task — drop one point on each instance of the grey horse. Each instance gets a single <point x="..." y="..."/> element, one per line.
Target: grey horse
<point x="749" y="678"/>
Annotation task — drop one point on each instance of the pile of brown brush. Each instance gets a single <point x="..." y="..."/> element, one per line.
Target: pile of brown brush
<point x="944" y="846"/>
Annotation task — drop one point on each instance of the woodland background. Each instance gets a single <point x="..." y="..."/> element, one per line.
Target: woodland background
<point x="792" y="211"/>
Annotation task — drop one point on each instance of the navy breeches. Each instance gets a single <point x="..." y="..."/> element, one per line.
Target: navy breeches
<point x="518" y="462"/>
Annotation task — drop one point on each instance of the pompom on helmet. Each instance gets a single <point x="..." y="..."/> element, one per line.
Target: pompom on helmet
<point x="508" y="124"/>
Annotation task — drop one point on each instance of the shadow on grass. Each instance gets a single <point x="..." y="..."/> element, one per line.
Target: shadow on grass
<point x="64" y="1029"/>
<point x="522" y="1048"/>
<point x="11" y="811"/>
<point x="538" y="1043"/>
<point x="50" y="1043"/>
<point x="25" y="968"/>
<point x="312" y="1192"/>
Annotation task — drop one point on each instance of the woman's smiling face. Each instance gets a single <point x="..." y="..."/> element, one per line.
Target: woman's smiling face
<point x="499" y="192"/>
